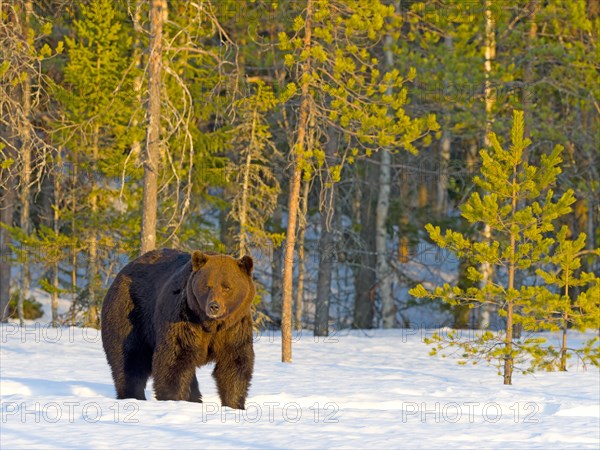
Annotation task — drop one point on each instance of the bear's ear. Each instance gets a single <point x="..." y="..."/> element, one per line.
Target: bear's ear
<point x="246" y="264"/>
<point x="198" y="260"/>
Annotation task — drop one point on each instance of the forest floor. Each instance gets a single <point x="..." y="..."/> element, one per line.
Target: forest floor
<point x="373" y="389"/>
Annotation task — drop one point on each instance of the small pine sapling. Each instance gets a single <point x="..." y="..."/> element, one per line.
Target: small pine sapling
<point x="519" y="207"/>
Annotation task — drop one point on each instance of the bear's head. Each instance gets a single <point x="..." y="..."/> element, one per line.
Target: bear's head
<point x="220" y="285"/>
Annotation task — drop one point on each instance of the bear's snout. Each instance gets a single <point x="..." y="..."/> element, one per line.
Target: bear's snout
<point x="213" y="309"/>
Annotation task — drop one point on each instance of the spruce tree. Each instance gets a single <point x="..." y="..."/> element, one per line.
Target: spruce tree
<point x="97" y="105"/>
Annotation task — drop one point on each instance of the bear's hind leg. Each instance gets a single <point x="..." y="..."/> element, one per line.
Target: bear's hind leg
<point x="195" y="395"/>
<point x="137" y="370"/>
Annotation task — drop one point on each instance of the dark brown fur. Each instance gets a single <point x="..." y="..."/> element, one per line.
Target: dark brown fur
<point x="157" y="321"/>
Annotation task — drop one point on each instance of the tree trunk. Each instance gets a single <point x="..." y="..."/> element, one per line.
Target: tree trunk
<point x="529" y="76"/>
<point x="92" y="268"/>
<point x="365" y="278"/>
<point x="384" y="280"/>
<point x="138" y="81"/>
<point x="243" y="244"/>
<point x="441" y="200"/>
<point x="288" y="265"/>
<point x="227" y="227"/>
<point x="56" y="228"/>
<point x="276" y="270"/>
<point x="384" y="273"/>
<point x="327" y="253"/>
<point x="529" y="72"/>
<point x="152" y="149"/>
<point x="461" y="313"/>
<point x="74" y="249"/>
<point x="6" y="217"/>
<point x="25" y="134"/>
<point x="326" y="260"/>
<point x="490" y="55"/>
<point x="7" y="199"/>
<point x="301" y="256"/>
<point x="565" y="326"/>
<point x="290" y="236"/>
<point x="508" y="359"/>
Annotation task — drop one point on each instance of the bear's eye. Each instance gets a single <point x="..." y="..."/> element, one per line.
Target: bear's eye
<point x="226" y="288"/>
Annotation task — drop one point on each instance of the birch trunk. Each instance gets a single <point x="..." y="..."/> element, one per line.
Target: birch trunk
<point x="384" y="275"/>
<point x="388" y="307"/>
<point x="490" y="55"/>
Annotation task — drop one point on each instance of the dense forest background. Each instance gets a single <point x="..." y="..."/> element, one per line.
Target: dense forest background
<point x="320" y="136"/>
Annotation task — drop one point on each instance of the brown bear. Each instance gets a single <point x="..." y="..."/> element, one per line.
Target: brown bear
<point x="168" y="312"/>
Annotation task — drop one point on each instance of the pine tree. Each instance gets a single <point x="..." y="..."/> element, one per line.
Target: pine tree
<point x="520" y="207"/>
<point x="579" y="312"/>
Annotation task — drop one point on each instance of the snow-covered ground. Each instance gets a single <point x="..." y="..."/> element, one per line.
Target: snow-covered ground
<point x="376" y="389"/>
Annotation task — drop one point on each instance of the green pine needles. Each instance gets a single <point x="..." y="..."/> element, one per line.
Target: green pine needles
<point x="519" y="205"/>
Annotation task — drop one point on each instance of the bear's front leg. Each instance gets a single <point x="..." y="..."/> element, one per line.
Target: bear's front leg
<point x="174" y="369"/>
<point x="172" y="378"/>
<point x="233" y="371"/>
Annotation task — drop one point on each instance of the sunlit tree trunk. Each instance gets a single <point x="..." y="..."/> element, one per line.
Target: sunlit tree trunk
<point x="152" y="149"/>
<point x="294" y="195"/>
<point x="490" y="55"/>
<point x="92" y="267"/>
<point x="25" y="151"/>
